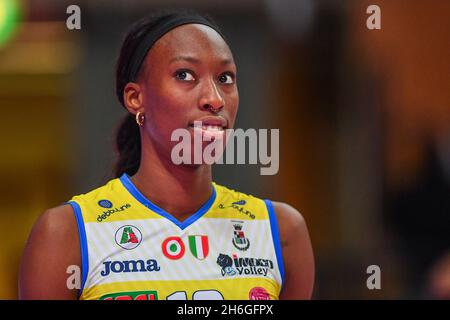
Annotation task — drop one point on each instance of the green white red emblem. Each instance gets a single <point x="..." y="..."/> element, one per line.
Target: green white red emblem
<point x="199" y="246"/>
<point x="128" y="237"/>
<point x="173" y="248"/>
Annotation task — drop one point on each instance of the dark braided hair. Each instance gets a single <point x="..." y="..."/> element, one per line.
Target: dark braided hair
<point x="128" y="142"/>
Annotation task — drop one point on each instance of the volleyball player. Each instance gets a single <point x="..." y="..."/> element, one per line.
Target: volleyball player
<point x="160" y="230"/>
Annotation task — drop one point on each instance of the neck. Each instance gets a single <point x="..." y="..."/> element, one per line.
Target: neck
<point x="162" y="182"/>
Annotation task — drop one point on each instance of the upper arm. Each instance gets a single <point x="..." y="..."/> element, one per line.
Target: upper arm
<point x="53" y="246"/>
<point x="297" y="252"/>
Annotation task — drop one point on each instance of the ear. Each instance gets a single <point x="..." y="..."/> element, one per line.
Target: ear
<point x="132" y="97"/>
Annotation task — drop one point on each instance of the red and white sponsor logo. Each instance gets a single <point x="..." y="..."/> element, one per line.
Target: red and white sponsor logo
<point x="258" y="293"/>
<point x="173" y="248"/>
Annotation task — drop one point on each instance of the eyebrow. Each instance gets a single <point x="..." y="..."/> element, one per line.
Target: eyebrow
<point x="197" y="61"/>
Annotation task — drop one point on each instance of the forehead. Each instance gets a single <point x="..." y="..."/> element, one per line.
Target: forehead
<point x="191" y="39"/>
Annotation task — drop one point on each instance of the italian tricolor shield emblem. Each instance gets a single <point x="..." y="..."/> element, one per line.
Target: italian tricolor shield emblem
<point x="199" y="246"/>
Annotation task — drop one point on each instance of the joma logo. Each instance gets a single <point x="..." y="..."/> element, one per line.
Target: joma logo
<point x="129" y="266"/>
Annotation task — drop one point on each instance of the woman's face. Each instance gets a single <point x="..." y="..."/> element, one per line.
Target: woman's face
<point x="188" y="75"/>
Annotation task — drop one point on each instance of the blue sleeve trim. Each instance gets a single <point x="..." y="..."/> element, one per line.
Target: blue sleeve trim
<point x="83" y="244"/>
<point x="276" y="237"/>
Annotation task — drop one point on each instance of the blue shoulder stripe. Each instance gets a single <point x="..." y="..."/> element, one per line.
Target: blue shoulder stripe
<point x="83" y="244"/>
<point x="276" y="237"/>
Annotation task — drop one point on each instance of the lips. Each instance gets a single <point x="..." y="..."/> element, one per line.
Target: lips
<point x="210" y="127"/>
<point x="210" y="123"/>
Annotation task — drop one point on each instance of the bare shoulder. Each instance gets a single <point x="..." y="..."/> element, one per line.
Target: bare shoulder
<point x="52" y="246"/>
<point x="57" y="222"/>
<point x="290" y="221"/>
<point x="298" y="257"/>
<point x="55" y="225"/>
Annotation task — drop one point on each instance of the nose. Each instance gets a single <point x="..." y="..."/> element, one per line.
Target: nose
<point x="210" y="98"/>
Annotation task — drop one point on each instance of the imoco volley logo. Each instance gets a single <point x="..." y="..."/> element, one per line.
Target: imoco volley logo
<point x="128" y="237"/>
<point x="243" y="266"/>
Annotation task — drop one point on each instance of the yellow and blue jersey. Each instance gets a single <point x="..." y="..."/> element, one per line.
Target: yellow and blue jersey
<point x="133" y="249"/>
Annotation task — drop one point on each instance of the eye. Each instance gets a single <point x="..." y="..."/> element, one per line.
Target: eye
<point x="184" y="75"/>
<point x="226" y="78"/>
